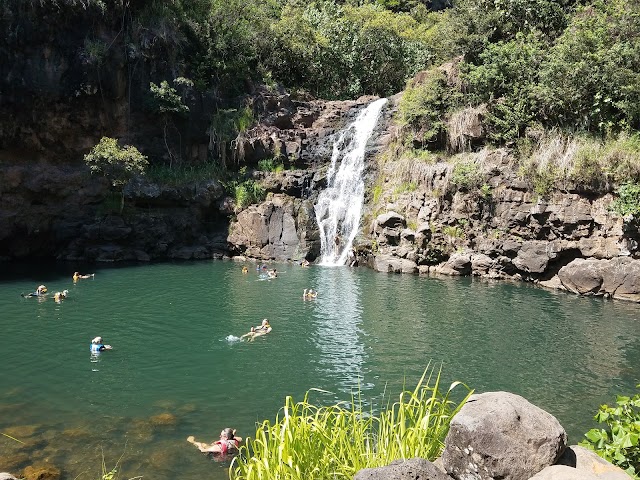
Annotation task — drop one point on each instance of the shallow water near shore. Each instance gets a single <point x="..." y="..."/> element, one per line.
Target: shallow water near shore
<point x="178" y="369"/>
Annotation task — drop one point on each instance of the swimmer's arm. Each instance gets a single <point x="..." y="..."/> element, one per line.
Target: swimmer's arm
<point x="213" y="448"/>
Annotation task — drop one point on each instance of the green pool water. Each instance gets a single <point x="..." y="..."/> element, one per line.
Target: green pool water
<point x="177" y="369"/>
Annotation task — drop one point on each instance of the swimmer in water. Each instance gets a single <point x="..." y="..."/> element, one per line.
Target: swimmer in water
<point x="245" y="269"/>
<point x="228" y="443"/>
<point x="59" y="296"/>
<point x="97" y="346"/>
<point x="258" y="331"/>
<point x="77" y="276"/>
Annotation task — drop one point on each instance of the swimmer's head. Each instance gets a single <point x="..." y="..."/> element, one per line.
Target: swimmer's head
<point x="97" y="340"/>
<point x="265" y="321"/>
<point x="227" y="433"/>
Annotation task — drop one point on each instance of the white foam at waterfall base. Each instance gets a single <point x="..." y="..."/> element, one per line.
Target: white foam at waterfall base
<point x="339" y="206"/>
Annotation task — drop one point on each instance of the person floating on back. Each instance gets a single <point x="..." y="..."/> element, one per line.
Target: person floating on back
<point x="228" y="443"/>
<point x="77" y="276"/>
<point x="97" y="346"/>
<point x="258" y="331"/>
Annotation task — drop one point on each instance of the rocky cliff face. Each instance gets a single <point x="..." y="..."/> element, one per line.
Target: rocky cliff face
<point x="422" y="222"/>
<point x="58" y="104"/>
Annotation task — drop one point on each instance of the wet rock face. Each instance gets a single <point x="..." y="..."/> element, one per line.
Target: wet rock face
<point x="282" y="228"/>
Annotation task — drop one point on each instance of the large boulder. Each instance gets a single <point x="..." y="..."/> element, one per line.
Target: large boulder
<point x="457" y="264"/>
<point x="619" y="277"/>
<point x="501" y="435"/>
<point x="562" y="472"/>
<point x="392" y="264"/>
<point x="533" y="257"/>
<point x="390" y="220"/>
<point x="412" y="469"/>
<point x="588" y="463"/>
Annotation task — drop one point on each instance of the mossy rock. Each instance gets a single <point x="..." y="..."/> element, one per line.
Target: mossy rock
<point x="164" y="419"/>
<point x="41" y="472"/>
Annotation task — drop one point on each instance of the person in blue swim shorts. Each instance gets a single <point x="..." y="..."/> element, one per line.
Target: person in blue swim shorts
<point x="97" y="346"/>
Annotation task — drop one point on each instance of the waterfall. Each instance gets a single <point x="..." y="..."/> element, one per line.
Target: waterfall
<point x="339" y="206"/>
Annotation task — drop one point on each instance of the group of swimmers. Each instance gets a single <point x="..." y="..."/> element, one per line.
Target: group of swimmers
<point x="41" y="291"/>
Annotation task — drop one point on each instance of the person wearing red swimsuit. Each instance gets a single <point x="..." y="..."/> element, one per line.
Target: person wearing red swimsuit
<point x="228" y="443"/>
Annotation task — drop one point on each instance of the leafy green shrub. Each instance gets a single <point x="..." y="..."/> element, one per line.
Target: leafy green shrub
<point x="422" y="108"/>
<point x="466" y="175"/>
<point x="270" y="165"/>
<point x="504" y="78"/>
<point x="337" y="50"/>
<point x="247" y="193"/>
<point x="590" y="78"/>
<point x="117" y="164"/>
<point x="618" y="442"/>
<point x="165" y="98"/>
<point x="485" y="191"/>
<point x="309" y="441"/>
<point x="628" y="200"/>
<point x="453" y="231"/>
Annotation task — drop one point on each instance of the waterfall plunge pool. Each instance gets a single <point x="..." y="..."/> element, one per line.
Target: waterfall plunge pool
<point x="176" y="369"/>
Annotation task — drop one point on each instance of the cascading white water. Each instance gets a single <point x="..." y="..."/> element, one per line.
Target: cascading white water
<point x="339" y="206"/>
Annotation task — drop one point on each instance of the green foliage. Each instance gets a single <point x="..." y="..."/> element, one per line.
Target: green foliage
<point x="453" y="231"/>
<point x="95" y="51"/>
<point x="591" y="78"/>
<point x="466" y="175"/>
<point x="270" y="165"/>
<point x="618" y="442"/>
<point x="245" y="190"/>
<point x="339" y="51"/>
<point x="377" y="192"/>
<point x="309" y="441"/>
<point x="505" y="78"/>
<point x="478" y="23"/>
<point x="247" y="193"/>
<point x="166" y="98"/>
<point x="422" y="108"/>
<point x="627" y="201"/>
<point x="485" y="191"/>
<point x="543" y="177"/>
<point x="226" y="125"/>
<point x="117" y="164"/>
<point x="405" y="187"/>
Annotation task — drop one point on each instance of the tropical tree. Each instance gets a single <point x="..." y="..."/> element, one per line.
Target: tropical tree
<point x="118" y="164"/>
